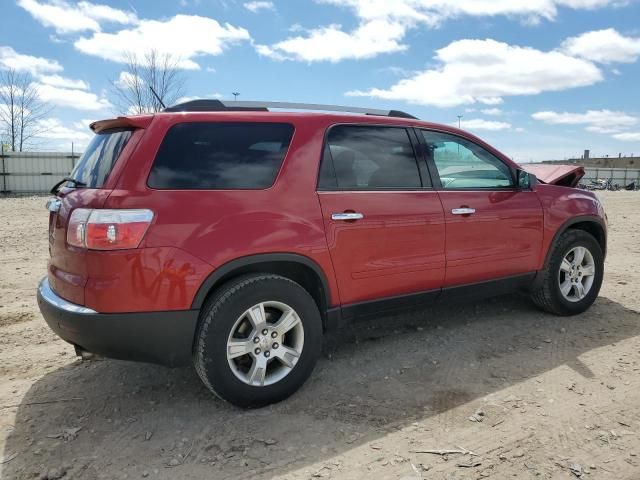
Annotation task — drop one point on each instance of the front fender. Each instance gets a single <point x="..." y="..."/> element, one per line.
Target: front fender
<point x="565" y="207"/>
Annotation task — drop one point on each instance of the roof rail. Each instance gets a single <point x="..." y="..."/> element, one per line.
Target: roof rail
<point x="236" y="106"/>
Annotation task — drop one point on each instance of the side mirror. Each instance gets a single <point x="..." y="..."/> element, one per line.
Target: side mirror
<point x="526" y="180"/>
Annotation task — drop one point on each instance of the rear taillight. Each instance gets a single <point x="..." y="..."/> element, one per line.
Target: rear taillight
<point x="77" y="227"/>
<point x="108" y="229"/>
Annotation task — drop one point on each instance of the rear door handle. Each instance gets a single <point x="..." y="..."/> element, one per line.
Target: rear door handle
<point x="347" y="216"/>
<point x="463" y="211"/>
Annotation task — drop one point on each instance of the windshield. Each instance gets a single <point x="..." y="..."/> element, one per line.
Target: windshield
<point x="101" y="154"/>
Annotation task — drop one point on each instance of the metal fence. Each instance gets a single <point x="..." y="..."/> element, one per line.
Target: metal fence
<point x="620" y="176"/>
<point x="34" y="173"/>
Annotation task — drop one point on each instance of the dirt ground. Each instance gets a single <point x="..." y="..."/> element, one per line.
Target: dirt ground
<point x="520" y="393"/>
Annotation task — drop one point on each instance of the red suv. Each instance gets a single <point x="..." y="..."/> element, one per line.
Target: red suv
<point x="232" y="236"/>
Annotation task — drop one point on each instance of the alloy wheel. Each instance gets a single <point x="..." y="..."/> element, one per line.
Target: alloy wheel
<point x="265" y="343"/>
<point x="576" y="274"/>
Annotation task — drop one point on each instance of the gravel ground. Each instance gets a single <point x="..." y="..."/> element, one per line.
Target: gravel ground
<point x="511" y="391"/>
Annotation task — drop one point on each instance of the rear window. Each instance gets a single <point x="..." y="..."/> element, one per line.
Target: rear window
<point x="216" y="156"/>
<point x="98" y="159"/>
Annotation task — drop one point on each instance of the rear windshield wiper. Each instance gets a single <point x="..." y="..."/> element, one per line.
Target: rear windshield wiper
<point x="76" y="183"/>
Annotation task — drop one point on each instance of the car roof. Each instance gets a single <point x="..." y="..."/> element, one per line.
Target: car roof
<point x="204" y="109"/>
<point x="141" y="121"/>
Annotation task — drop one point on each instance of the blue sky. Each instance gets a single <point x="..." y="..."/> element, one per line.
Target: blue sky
<point x="538" y="79"/>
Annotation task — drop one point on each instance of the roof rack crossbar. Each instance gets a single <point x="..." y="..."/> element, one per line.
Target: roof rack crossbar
<point x="239" y="105"/>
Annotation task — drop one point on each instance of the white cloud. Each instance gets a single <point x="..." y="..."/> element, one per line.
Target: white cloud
<point x="332" y="44"/>
<point x="184" y="37"/>
<point x="132" y="110"/>
<point x="64" y="82"/>
<point x="435" y="11"/>
<point x="186" y="99"/>
<point x="628" y="137"/>
<point x="481" y="124"/>
<point x="52" y="87"/>
<point x="491" y="100"/>
<point x="296" y="27"/>
<point x="591" y="4"/>
<point x="9" y="58"/>
<point x="214" y="95"/>
<point x="72" y="98"/>
<point x="53" y="128"/>
<point x="66" y="17"/>
<point x="598" y="121"/>
<point x="484" y="71"/>
<point x="84" y="124"/>
<point x="398" y="71"/>
<point x="126" y="79"/>
<point x="383" y="24"/>
<point x="256" y="6"/>
<point x="492" y="111"/>
<point x="603" y="46"/>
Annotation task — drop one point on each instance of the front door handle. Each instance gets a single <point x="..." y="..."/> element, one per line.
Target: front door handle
<point x="346" y="216"/>
<point x="463" y="211"/>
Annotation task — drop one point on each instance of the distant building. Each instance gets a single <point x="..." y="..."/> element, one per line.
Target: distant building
<point x="601" y="162"/>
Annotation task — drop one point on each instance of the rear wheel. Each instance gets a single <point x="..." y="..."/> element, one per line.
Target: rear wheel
<point x="572" y="279"/>
<point x="258" y="341"/>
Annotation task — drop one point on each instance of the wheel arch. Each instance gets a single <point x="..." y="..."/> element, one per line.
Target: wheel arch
<point x="298" y="268"/>
<point x="595" y="226"/>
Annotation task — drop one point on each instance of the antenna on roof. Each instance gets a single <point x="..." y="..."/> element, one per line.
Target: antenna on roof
<point x="157" y="97"/>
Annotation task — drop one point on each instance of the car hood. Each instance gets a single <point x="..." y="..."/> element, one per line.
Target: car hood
<point x="564" y="175"/>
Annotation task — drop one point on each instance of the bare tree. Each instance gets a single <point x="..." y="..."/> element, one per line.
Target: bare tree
<point x="21" y="109"/>
<point x="131" y="90"/>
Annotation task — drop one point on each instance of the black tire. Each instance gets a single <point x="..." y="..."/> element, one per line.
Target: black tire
<point x="217" y="319"/>
<point x="549" y="297"/>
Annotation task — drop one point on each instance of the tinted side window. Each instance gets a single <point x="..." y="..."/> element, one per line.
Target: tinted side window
<point x="369" y="158"/>
<point x="212" y="156"/>
<point x="327" y="180"/>
<point x="463" y="164"/>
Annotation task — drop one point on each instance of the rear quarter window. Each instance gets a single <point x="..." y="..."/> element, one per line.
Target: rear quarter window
<point x="100" y="156"/>
<point x="220" y="156"/>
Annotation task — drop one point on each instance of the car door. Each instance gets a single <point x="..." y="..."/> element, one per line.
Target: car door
<point x="383" y="221"/>
<point x="493" y="227"/>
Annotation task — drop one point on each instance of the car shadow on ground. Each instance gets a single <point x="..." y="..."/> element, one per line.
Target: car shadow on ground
<point x="374" y="377"/>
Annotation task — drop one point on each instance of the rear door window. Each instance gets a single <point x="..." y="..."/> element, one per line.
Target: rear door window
<point x="98" y="159"/>
<point x="368" y="158"/>
<point x="217" y="156"/>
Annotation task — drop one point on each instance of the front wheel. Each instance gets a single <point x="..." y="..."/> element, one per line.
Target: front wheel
<point x="258" y="341"/>
<point x="573" y="277"/>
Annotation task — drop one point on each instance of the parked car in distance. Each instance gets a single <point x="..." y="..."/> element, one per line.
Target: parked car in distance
<point x="232" y="237"/>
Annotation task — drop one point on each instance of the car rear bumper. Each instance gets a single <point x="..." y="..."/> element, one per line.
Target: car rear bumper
<point x="165" y="338"/>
